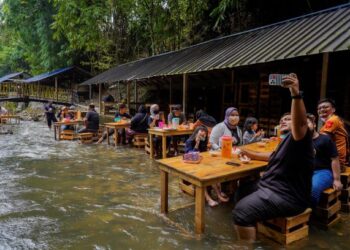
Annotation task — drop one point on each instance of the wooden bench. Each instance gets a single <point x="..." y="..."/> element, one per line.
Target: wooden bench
<point x="326" y="213"/>
<point x="85" y="138"/>
<point x="67" y="135"/>
<point x="139" y="140"/>
<point x="345" y="192"/>
<point x="286" y="230"/>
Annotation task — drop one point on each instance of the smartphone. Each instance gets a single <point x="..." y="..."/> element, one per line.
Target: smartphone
<point x="276" y="79"/>
<point x="233" y="164"/>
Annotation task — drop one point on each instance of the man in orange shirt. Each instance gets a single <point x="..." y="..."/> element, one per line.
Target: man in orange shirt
<point x="334" y="127"/>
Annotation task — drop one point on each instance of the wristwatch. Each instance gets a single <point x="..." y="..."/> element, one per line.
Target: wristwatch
<point x="298" y="96"/>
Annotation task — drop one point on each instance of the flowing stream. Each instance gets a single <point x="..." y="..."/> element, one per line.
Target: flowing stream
<point x="64" y="195"/>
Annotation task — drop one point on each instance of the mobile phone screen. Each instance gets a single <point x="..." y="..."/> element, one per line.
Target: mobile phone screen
<point x="276" y="79"/>
<point x="233" y="164"/>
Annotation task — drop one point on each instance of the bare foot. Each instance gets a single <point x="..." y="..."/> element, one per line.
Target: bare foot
<point x="212" y="203"/>
<point x="223" y="199"/>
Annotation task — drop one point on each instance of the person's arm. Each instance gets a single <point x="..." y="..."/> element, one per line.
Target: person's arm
<point x="247" y="138"/>
<point x="298" y="111"/>
<point x="256" y="155"/>
<point x="336" y="174"/>
<point x="152" y="124"/>
<point x="184" y="120"/>
<point x="214" y="138"/>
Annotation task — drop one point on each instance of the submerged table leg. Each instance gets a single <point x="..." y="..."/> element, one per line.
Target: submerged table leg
<point x="107" y="132"/>
<point x="151" y="147"/>
<point x="199" y="213"/>
<point x="163" y="191"/>
<point x="55" y="132"/>
<point x="115" y="137"/>
<point x="163" y="146"/>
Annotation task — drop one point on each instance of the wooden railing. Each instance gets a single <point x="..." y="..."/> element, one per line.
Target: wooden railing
<point x="37" y="91"/>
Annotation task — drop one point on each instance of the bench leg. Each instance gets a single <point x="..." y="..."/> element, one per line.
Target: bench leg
<point x="151" y="147"/>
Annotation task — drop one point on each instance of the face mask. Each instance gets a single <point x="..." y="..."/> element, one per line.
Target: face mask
<point x="156" y="112"/>
<point x="233" y="120"/>
<point x="202" y="138"/>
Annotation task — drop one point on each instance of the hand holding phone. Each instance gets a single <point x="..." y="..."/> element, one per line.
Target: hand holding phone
<point x="276" y="79"/>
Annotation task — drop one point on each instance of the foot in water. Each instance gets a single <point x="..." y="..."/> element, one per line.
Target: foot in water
<point x="212" y="203"/>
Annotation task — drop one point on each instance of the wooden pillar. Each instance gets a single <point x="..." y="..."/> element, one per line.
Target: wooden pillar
<point x="184" y="92"/>
<point x="136" y="97"/>
<point x="37" y="90"/>
<point x="128" y="94"/>
<point x="90" y="92"/>
<point x="171" y="91"/>
<point x="56" y="90"/>
<point x="324" y="75"/>
<point x="99" y="97"/>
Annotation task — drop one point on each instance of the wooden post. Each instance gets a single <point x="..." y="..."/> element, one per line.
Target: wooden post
<point x="184" y="92"/>
<point x="170" y="91"/>
<point x="324" y="75"/>
<point x="56" y="86"/>
<point x="128" y="94"/>
<point x="90" y="94"/>
<point x="99" y="97"/>
<point x="136" y="97"/>
<point x="37" y="90"/>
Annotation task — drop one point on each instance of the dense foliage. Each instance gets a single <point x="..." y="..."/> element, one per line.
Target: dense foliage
<point x="41" y="35"/>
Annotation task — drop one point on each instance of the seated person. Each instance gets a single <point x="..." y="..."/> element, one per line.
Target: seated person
<point x="153" y="121"/>
<point x="138" y="124"/>
<point x="121" y="114"/>
<point x="228" y="127"/>
<point x="91" y="121"/>
<point x="176" y="113"/>
<point x="63" y="116"/>
<point x="284" y="189"/>
<point x="326" y="164"/>
<point x="108" y="98"/>
<point x="198" y="141"/>
<point x="250" y="134"/>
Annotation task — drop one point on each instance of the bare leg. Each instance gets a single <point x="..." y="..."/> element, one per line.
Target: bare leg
<point x="246" y="233"/>
<point x="222" y="198"/>
<point x="210" y="201"/>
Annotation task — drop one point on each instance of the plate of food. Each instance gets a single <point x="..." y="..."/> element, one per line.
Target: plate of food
<point x="192" y="157"/>
<point x="215" y="153"/>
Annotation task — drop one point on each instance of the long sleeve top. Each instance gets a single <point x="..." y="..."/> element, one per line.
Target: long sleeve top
<point x="221" y="129"/>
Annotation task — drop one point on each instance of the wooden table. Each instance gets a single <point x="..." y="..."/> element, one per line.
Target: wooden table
<point x="209" y="171"/>
<point x="164" y="133"/>
<point x="115" y="126"/>
<point x="269" y="147"/>
<point x="10" y="117"/>
<point x="57" y="126"/>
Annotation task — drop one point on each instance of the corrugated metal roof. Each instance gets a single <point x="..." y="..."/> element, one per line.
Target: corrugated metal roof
<point x="10" y="76"/>
<point x="46" y="75"/>
<point x="315" y="33"/>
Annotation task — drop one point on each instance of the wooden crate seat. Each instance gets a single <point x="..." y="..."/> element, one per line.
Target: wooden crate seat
<point x="345" y="192"/>
<point x="139" y="140"/>
<point x="85" y="138"/>
<point x="286" y="230"/>
<point x="326" y="213"/>
<point x="67" y="135"/>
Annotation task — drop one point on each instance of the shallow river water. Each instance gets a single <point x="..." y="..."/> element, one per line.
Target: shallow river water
<point x="64" y="195"/>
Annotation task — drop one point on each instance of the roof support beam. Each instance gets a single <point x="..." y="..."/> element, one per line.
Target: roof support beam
<point x="90" y="92"/>
<point x="99" y="97"/>
<point x="184" y="92"/>
<point x="128" y="94"/>
<point x="136" y="97"/>
<point x="170" y="91"/>
<point x="325" y="60"/>
<point x="56" y="91"/>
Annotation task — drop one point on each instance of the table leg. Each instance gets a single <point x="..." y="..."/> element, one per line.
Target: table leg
<point x="55" y="132"/>
<point x="151" y="147"/>
<point x="164" y="146"/>
<point x="199" y="210"/>
<point x="163" y="191"/>
<point x="115" y="137"/>
<point x="59" y="132"/>
<point x="107" y="132"/>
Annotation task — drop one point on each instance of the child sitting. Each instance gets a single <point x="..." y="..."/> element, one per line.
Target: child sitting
<point x="250" y="127"/>
<point x="198" y="141"/>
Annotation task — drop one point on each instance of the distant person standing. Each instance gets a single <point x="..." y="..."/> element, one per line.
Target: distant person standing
<point x="334" y="126"/>
<point x="50" y="114"/>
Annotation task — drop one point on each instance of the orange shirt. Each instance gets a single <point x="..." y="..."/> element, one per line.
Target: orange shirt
<point x="334" y="126"/>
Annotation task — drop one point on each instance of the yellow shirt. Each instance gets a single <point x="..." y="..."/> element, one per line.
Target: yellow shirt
<point x="334" y="126"/>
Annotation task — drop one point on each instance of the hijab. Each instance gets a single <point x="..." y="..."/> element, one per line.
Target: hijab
<point x="228" y="112"/>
